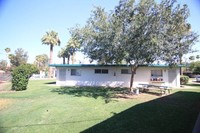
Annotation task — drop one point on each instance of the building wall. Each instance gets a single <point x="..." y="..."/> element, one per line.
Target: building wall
<point x="114" y="78"/>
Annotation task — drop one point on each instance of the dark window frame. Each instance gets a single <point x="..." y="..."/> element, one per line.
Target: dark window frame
<point x="101" y="71"/>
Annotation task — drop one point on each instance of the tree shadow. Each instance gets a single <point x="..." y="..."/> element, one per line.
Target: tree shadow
<point x="175" y="113"/>
<point x="105" y="92"/>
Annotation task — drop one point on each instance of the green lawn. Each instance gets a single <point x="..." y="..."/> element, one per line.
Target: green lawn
<point x="45" y="108"/>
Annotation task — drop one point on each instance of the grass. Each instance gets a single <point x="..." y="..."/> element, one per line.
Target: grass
<point x="46" y="108"/>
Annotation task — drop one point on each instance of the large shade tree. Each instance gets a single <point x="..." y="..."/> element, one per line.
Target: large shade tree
<point x="138" y="33"/>
<point x="51" y="38"/>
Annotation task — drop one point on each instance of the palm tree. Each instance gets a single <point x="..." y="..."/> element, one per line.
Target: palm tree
<point x="64" y="53"/>
<point x="73" y="46"/>
<point x="51" y="38"/>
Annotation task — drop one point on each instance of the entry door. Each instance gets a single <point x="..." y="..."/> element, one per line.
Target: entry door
<point x="62" y="74"/>
<point x="172" y="77"/>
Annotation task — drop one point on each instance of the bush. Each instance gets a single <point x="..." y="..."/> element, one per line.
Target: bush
<point x="21" y="75"/>
<point x="184" y="80"/>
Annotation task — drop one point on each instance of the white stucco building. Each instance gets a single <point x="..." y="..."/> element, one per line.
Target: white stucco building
<point x="115" y="75"/>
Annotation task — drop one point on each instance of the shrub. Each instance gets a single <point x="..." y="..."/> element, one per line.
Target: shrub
<point x="184" y="80"/>
<point x="21" y="75"/>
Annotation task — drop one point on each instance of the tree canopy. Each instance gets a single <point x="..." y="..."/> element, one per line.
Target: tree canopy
<point x="64" y="53"/>
<point x="69" y="50"/>
<point x="20" y="57"/>
<point x="3" y="65"/>
<point x="41" y="61"/>
<point x="195" y="67"/>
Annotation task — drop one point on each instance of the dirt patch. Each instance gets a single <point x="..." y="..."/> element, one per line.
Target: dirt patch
<point x="4" y="103"/>
<point x="142" y="96"/>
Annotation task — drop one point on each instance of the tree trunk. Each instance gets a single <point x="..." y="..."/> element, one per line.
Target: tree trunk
<point x="63" y="60"/>
<point x="133" y="70"/>
<point x="73" y="59"/>
<point x="180" y="57"/>
<point x="51" y="61"/>
<point x="68" y="58"/>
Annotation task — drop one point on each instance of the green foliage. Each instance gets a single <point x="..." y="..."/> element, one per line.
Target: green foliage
<point x="21" y="75"/>
<point x="184" y="80"/>
<point x="3" y="65"/>
<point x="20" y="57"/>
<point x="195" y="67"/>
<point x="41" y="61"/>
<point x="7" y="50"/>
<point x="137" y="32"/>
<point x="73" y="45"/>
<point x="51" y="38"/>
<point x="64" y="53"/>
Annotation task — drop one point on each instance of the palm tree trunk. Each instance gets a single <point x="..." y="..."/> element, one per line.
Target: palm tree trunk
<point x="51" y="61"/>
<point x="51" y="54"/>
<point x="72" y="58"/>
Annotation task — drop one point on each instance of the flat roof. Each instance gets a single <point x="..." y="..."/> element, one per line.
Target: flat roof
<point x="106" y="65"/>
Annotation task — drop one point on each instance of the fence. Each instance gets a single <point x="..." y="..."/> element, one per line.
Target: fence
<point x="5" y="77"/>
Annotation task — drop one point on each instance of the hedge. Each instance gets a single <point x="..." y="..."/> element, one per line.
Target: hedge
<point x="21" y="75"/>
<point x="184" y="80"/>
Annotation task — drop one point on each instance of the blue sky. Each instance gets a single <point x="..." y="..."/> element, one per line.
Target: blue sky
<point x="24" y="22"/>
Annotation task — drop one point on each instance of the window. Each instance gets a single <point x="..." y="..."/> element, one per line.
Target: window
<point x="156" y="75"/>
<point x="105" y="71"/>
<point x="125" y="71"/>
<point x="97" y="71"/>
<point x="75" y="72"/>
<point x="101" y="71"/>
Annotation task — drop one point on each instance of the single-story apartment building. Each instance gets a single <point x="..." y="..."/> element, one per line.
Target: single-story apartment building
<point x="115" y="75"/>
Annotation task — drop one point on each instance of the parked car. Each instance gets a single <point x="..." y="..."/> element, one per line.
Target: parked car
<point x="198" y="78"/>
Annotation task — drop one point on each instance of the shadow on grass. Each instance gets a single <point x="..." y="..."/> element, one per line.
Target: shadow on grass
<point x="193" y="85"/>
<point x="95" y="92"/>
<point x="175" y="113"/>
<point x="50" y="83"/>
